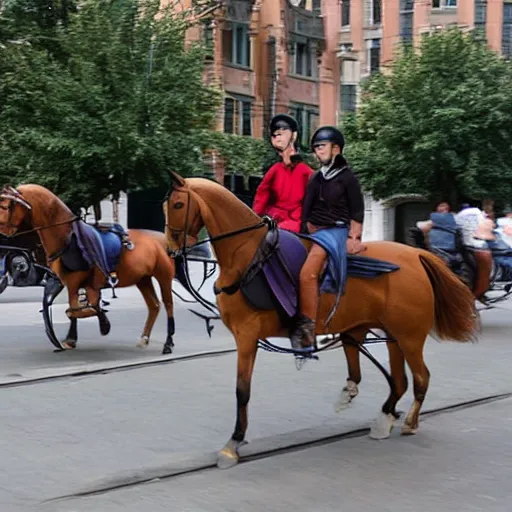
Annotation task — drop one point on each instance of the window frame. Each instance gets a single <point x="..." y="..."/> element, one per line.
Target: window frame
<point x="240" y="56"/>
<point x="241" y="123"/>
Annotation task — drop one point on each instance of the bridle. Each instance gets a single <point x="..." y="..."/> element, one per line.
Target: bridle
<point x="182" y="252"/>
<point x="15" y="197"/>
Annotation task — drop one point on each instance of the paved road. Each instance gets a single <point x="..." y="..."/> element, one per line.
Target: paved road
<point x="27" y="352"/>
<point x="63" y="436"/>
<point x="461" y="462"/>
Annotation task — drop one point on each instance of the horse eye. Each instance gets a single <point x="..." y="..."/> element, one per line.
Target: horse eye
<point x="179" y="205"/>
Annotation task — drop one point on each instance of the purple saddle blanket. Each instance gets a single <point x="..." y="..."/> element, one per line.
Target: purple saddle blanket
<point x="282" y="268"/>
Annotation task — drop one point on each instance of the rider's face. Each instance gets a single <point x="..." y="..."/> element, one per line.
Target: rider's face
<point x="281" y="139"/>
<point x="326" y="151"/>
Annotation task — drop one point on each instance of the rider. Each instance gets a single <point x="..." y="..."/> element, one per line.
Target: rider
<point x="333" y="209"/>
<point x="281" y="192"/>
<point x="477" y="231"/>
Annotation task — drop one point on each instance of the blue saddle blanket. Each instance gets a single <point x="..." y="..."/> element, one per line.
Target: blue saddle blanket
<point x="282" y="269"/>
<point x="100" y="248"/>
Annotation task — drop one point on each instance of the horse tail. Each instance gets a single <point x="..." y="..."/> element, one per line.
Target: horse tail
<point x="455" y="316"/>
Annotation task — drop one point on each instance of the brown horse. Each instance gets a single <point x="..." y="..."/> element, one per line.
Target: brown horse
<point x="53" y="220"/>
<point x="422" y="296"/>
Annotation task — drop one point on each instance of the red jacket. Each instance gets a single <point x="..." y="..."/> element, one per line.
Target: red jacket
<point x="281" y="193"/>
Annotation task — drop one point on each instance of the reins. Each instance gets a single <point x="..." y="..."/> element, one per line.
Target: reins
<point x="41" y="228"/>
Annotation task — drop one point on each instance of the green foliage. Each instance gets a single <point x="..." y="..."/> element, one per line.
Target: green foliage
<point x="438" y="124"/>
<point x="241" y="155"/>
<point x="125" y="105"/>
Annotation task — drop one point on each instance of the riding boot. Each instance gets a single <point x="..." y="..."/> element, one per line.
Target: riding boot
<point x="303" y="333"/>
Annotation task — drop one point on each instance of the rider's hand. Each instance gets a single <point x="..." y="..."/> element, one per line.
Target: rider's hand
<point x="355" y="246"/>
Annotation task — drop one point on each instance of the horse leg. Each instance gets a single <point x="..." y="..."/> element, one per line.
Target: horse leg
<point x="413" y="352"/>
<point x="350" y="391"/>
<point x="382" y="426"/>
<point x="72" y="335"/>
<point x="145" y="286"/>
<point x="164" y="275"/>
<point x="229" y="455"/>
<point x="73" y="286"/>
<point x="93" y="292"/>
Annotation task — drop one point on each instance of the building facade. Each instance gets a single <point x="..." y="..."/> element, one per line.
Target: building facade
<point x="371" y="31"/>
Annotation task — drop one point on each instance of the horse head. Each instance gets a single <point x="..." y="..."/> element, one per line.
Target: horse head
<point x="183" y="219"/>
<point x="14" y="209"/>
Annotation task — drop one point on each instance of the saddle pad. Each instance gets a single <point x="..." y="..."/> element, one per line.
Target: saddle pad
<point x="112" y="247"/>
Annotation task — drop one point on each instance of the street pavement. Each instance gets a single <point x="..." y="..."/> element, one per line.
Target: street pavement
<point x="63" y="437"/>
<point x="461" y="462"/>
<point x="27" y="353"/>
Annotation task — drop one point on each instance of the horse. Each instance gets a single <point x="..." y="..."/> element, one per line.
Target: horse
<point x="423" y="295"/>
<point x="53" y="221"/>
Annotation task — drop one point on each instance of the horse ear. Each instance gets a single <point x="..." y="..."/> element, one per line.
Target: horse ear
<point x="176" y="179"/>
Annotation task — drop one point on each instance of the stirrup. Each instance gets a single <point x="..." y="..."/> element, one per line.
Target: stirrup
<point x="113" y="281"/>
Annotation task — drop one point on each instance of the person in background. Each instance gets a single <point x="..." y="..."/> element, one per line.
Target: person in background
<point x="477" y="230"/>
<point x="281" y="192"/>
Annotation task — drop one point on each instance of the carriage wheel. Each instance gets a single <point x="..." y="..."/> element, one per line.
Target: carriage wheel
<point x="52" y="288"/>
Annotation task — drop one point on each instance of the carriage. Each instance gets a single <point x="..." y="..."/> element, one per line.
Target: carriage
<point x="447" y="242"/>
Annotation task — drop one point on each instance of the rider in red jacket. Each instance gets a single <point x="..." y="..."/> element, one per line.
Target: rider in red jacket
<point x="282" y="190"/>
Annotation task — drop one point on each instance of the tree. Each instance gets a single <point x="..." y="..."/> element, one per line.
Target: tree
<point x="438" y="124"/>
<point x="125" y="105"/>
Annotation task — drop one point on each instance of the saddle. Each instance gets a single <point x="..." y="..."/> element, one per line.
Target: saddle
<point x="100" y="245"/>
<point x="271" y="282"/>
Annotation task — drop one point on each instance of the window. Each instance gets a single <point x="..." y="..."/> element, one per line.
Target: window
<point x="480" y="12"/>
<point x="348" y="89"/>
<point x="317" y="6"/>
<point x="345" y="13"/>
<point x="406" y="21"/>
<point x="441" y="4"/>
<point x="207" y="38"/>
<point x="304" y="61"/>
<point x="372" y="12"/>
<point x="237" y="115"/>
<point x="236" y="44"/>
<point x="307" y="118"/>
<point x="373" y="55"/>
<point x="348" y="97"/>
<point x="376" y="11"/>
<point x="506" y="37"/>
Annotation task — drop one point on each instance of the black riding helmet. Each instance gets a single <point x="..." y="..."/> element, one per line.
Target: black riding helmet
<point x="283" y="122"/>
<point x="328" y="134"/>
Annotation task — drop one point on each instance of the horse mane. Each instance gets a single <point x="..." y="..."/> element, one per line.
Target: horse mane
<point x="220" y="195"/>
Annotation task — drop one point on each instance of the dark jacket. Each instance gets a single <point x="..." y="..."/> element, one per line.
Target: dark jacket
<point x="339" y="199"/>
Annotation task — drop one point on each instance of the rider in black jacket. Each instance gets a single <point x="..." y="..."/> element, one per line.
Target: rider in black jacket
<point x="333" y="202"/>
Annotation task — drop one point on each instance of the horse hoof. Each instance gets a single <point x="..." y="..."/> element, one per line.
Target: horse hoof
<point x="228" y="456"/>
<point x="348" y="393"/>
<point x="227" y="459"/>
<point x="104" y="325"/>
<point x="143" y="342"/>
<point x="407" y="430"/>
<point x="167" y="350"/>
<point x="382" y="426"/>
